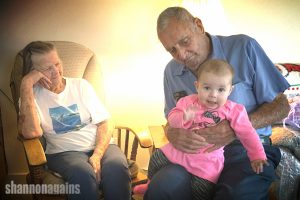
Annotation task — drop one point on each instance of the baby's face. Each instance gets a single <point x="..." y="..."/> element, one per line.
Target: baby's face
<point x="213" y="90"/>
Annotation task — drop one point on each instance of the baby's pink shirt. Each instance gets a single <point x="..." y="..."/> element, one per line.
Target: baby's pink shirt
<point x="210" y="165"/>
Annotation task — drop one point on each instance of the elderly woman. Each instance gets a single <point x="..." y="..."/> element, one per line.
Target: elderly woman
<point x="67" y="112"/>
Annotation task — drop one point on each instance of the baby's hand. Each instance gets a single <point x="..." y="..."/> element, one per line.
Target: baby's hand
<point x="257" y="165"/>
<point x="190" y="113"/>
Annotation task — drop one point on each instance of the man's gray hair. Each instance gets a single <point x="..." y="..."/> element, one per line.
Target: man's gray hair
<point x="178" y="13"/>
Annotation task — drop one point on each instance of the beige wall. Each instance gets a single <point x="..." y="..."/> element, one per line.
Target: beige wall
<point x="122" y="34"/>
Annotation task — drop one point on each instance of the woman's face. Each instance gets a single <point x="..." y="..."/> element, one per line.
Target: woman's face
<point x="50" y="65"/>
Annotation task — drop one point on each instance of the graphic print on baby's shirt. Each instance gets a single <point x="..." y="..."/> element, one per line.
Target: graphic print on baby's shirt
<point x="207" y="119"/>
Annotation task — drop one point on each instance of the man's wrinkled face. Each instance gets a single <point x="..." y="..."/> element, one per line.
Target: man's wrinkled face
<point x="187" y="43"/>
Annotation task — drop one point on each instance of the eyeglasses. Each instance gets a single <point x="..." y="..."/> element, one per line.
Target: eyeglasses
<point x="45" y="68"/>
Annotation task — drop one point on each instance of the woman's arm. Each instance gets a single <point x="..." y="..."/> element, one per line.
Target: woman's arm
<point x="102" y="141"/>
<point x="28" y="122"/>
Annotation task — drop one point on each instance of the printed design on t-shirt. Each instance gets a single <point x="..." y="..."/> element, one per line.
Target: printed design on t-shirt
<point x="213" y="115"/>
<point x="65" y="119"/>
<point x="208" y="118"/>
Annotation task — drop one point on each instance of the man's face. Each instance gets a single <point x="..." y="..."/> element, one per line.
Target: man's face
<point x="187" y="43"/>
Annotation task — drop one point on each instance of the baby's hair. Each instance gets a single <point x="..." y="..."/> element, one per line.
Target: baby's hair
<point x="218" y="67"/>
<point x="36" y="47"/>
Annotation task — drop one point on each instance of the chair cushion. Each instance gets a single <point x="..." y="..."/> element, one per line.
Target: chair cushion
<point x="288" y="171"/>
<point x="51" y="178"/>
<point x="133" y="168"/>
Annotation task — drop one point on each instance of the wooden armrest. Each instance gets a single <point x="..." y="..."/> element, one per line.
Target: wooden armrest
<point x="279" y="133"/>
<point x="286" y="134"/>
<point x="144" y="138"/>
<point x="287" y="137"/>
<point x="34" y="151"/>
<point x="158" y="136"/>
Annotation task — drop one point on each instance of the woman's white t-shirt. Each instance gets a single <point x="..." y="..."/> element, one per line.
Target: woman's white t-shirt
<point x="69" y="119"/>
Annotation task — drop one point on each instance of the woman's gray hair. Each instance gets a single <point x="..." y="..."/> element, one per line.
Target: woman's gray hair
<point x="178" y="13"/>
<point x="36" y="47"/>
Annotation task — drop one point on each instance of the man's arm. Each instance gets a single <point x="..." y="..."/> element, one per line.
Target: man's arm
<point x="269" y="113"/>
<point x="102" y="141"/>
<point x="185" y="140"/>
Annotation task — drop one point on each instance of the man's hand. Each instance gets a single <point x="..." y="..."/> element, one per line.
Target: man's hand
<point x="218" y="135"/>
<point x="94" y="160"/>
<point x="184" y="140"/>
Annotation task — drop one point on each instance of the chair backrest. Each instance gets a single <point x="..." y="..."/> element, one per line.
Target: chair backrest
<point x="78" y="61"/>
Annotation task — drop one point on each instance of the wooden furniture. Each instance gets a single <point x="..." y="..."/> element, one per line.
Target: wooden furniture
<point x="3" y="164"/>
<point x="78" y="61"/>
<point x="158" y="136"/>
<point x="124" y="142"/>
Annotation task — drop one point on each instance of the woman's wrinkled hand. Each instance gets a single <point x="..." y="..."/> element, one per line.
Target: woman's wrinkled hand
<point x="94" y="160"/>
<point x="37" y="77"/>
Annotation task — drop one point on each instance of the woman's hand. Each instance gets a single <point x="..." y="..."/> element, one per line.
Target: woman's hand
<point x="37" y="77"/>
<point x="94" y="160"/>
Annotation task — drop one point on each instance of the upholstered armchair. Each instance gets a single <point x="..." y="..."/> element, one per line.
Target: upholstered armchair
<point x="78" y="61"/>
<point x="287" y="186"/>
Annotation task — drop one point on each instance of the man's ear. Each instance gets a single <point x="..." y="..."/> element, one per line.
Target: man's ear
<point x="196" y="84"/>
<point x="231" y="89"/>
<point x="199" y="24"/>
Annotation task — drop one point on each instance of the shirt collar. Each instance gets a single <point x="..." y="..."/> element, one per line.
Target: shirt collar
<point x="217" y="50"/>
<point x="181" y="70"/>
